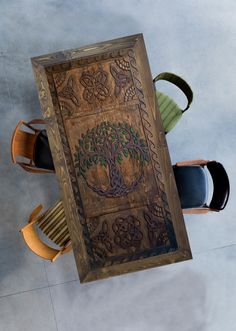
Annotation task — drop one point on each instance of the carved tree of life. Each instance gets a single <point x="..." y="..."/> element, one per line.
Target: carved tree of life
<point x="107" y="145"/>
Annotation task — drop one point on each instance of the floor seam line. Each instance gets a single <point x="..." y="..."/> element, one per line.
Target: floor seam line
<point x="21" y="292"/>
<point x="50" y="294"/>
<point x="53" y="308"/>
<point x="66" y="282"/>
<point x="213" y="249"/>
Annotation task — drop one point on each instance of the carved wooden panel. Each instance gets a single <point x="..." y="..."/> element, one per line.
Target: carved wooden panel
<point x="111" y="158"/>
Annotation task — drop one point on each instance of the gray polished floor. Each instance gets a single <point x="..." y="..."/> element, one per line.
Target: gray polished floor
<point x="196" y="39"/>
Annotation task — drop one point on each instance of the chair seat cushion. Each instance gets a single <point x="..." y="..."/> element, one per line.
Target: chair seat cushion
<point x="170" y="111"/>
<point x="192" y="185"/>
<point x="42" y="155"/>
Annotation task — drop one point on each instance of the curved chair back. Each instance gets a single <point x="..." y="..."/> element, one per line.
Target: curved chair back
<point x="23" y="145"/>
<point x="170" y="112"/>
<point x="221" y="185"/>
<point x="53" y="224"/>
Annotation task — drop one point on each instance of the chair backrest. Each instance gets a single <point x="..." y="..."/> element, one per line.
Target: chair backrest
<point x="23" y="145"/>
<point x="221" y="185"/>
<point x="170" y="112"/>
<point x="36" y="245"/>
<point x="54" y="226"/>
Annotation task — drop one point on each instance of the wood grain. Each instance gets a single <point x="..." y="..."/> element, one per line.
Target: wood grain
<point x="111" y="158"/>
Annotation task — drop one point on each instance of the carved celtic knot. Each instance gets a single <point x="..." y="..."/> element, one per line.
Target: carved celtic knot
<point x="102" y="242"/>
<point x="129" y="94"/>
<point x="157" y="211"/>
<point x="155" y="224"/>
<point x="68" y="92"/>
<point x="163" y="238"/>
<point x="95" y="84"/>
<point x="127" y="231"/>
<point x="122" y="79"/>
<point x="123" y="64"/>
<point x="121" y="72"/>
<point x="92" y="224"/>
<point x="59" y="78"/>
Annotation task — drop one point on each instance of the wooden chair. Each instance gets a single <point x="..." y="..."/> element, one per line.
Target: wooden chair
<point x="33" y="146"/>
<point x="52" y="224"/>
<point x="192" y="185"/>
<point x="171" y="113"/>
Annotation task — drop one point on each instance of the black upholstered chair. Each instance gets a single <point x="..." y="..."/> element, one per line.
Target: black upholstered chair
<point x="42" y="156"/>
<point x="192" y="184"/>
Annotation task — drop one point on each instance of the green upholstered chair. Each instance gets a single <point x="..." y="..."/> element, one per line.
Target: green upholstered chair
<point x="171" y="113"/>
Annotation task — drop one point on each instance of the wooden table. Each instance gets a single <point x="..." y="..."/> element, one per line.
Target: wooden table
<point x="111" y="158"/>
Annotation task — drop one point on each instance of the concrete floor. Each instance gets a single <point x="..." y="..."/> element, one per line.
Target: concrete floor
<point x="196" y="39"/>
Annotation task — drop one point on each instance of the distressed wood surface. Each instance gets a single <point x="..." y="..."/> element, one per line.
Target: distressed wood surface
<point x="111" y="158"/>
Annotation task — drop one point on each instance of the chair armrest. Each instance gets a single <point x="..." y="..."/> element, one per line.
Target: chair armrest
<point x="198" y="211"/>
<point x="33" y="216"/>
<point x="20" y="123"/>
<point x="35" y="121"/>
<point x="192" y="162"/>
<point x="67" y="249"/>
<point x="33" y="169"/>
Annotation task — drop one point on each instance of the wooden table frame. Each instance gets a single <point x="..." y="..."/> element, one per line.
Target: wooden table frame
<point x="49" y="71"/>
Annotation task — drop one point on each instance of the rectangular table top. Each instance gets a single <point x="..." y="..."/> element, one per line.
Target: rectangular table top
<point x="111" y="158"/>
